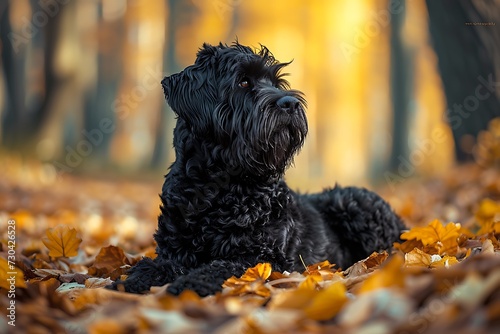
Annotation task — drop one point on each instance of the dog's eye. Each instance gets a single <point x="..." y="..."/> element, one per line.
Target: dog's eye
<point x="244" y="83"/>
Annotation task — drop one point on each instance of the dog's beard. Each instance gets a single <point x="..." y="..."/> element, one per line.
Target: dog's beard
<point x="260" y="138"/>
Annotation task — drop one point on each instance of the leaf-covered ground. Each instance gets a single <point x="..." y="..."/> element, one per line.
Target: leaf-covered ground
<point x="75" y="235"/>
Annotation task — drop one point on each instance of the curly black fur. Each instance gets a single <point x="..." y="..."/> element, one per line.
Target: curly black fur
<point x="225" y="206"/>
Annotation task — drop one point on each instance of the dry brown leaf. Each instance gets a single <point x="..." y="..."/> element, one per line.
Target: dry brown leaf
<point x="109" y="262"/>
<point x="62" y="241"/>
<point x="95" y="282"/>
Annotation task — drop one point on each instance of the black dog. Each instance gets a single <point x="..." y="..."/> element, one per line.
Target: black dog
<point x="225" y="204"/>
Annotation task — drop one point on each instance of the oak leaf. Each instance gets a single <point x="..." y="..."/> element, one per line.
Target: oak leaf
<point x="62" y="241"/>
<point x="435" y="234"/>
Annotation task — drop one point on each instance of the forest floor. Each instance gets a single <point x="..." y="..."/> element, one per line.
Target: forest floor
<point x="62" y="241"/>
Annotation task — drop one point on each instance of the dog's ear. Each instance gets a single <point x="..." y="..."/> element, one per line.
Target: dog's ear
<point x="166" y="84"/>
<point x="191" y="93"/>
<point x="206" y="54"/>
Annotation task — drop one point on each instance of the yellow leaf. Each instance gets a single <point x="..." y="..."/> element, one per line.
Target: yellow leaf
<point x="321" y="269"/>
<point x="488" y="216"/>
<point x="417" y="258"/>
<point x="292" y="299"/>
<point x="316" y="304"/>
<point x="327" y="302"/>
<point x="261" y="270"/>
<point x="389" y="275"/>
<point x="252" y="281"/>
<point x="487" y="211"/>
<point x="62" y="241"/>
<point x="310" y="283"/>
<point x="10" y="275"/>
<point x="446" y="261"/>
<point x="443" y="237"/>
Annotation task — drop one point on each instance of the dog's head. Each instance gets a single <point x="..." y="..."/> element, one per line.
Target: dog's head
<point x="236" y="101"/>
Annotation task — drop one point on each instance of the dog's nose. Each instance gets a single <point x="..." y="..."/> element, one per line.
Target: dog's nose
<point x="289" y="104"/>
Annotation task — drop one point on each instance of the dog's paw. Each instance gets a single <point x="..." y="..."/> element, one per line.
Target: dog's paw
<point x="201" y="286"/>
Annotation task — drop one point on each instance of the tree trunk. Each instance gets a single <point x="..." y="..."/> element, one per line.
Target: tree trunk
<point x="469" y="63"/>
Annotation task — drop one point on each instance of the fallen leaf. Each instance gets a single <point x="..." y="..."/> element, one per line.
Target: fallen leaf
<point x="322" y="269"/>
<point x="389" y="275"/>
<point x="444" y="238"/>
<point x="96" y="282"/>
<point x="327" y="302"/>
<point x="62" y="241"/>
<point x="10" y="275"/>
<point x="252" y="281"/>
<point x="311" y="282"/>
<point x="109" y="262"/>
<point x="417" y="258"/>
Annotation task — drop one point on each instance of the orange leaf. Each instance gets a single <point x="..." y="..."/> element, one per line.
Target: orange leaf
<point x="252" y="281"/>
<point x="488" y="210"/>
<point x="62" y="241"/>
<point x="310" y="283"/>
<point x="10" y="275"/>
<point x="261" y="270"/>
<point x="445" y="261"/>
<point x="321" y="269"/>
<point x="390" y="275"/>
<point x="417" y="258"/>
<point x="292" y="299"/>
<point x="327" y="303"/>
<point x="375" y="259"/>
<point x="444" y="237"/>
<point x="316" y="304"/>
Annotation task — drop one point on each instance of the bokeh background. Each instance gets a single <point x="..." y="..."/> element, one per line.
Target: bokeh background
<point x="392" y="86"/>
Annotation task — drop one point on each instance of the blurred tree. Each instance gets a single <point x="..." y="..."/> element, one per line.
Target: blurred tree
<point x="469" y="58"/>
<point x="110" y="35"/>
<point x="162" y="137"/>
<point x="14" y="50"/>
<point x="401" y="84"/>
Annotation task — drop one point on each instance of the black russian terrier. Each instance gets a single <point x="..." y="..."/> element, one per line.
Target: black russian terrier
<point x="225" y="205"/>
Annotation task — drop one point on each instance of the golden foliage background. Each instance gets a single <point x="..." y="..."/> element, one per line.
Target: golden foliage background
<point x="341" y="61"/>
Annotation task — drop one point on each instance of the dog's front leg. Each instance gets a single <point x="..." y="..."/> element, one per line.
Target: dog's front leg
<point x="148" y="273"/>
<point x="208" y="278"/>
